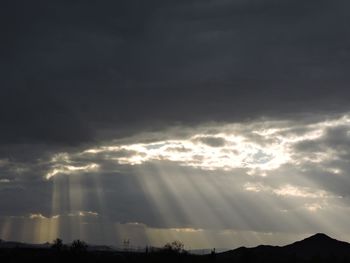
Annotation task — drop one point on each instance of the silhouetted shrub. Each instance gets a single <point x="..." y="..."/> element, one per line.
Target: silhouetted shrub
<point x="78" y="246"/>
<point x="174" y="247"/>
<point x="57" y="244"/>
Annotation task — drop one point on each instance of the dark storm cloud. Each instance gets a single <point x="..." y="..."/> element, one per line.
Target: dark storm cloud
<point x="74" y="71"/>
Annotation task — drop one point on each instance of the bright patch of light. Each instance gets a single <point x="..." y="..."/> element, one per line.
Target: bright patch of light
<point x="288" y="190"/>
<point x="87" y="213"/>
<point x="237" y="152"/>
<point x="4" y="181"/>
<point x="186" y="230"/>
<point x="313" y="207"/>
<point x="37" y="216"/>
<point x="334" y="171"/>
<point x="253" y="187"/>
<point x="294" y="191"/>
<point x="258" y="147"/>
<point x="69" y="169"/>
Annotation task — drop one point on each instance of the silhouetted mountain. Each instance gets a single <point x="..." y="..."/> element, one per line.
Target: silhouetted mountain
<point x="317" y="248"/>
<point x="319" y="244"/>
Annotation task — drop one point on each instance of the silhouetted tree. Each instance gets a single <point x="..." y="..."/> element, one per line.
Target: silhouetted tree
<point x="213" y="255"/>
<point x="78" y="246"/>
<point x="57" y="244"/>
<point x="175" y="247"/>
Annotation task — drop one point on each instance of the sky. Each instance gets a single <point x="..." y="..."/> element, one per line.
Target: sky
<point x="217" y="123"/>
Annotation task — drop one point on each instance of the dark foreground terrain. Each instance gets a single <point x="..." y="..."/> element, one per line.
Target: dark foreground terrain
<point x="317" y="248"/>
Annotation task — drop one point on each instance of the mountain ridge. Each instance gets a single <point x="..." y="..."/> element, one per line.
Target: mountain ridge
<point x="319" y="246"/>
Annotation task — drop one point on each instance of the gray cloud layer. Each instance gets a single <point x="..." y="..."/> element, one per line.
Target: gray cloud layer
<point x="75" y="70"/>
